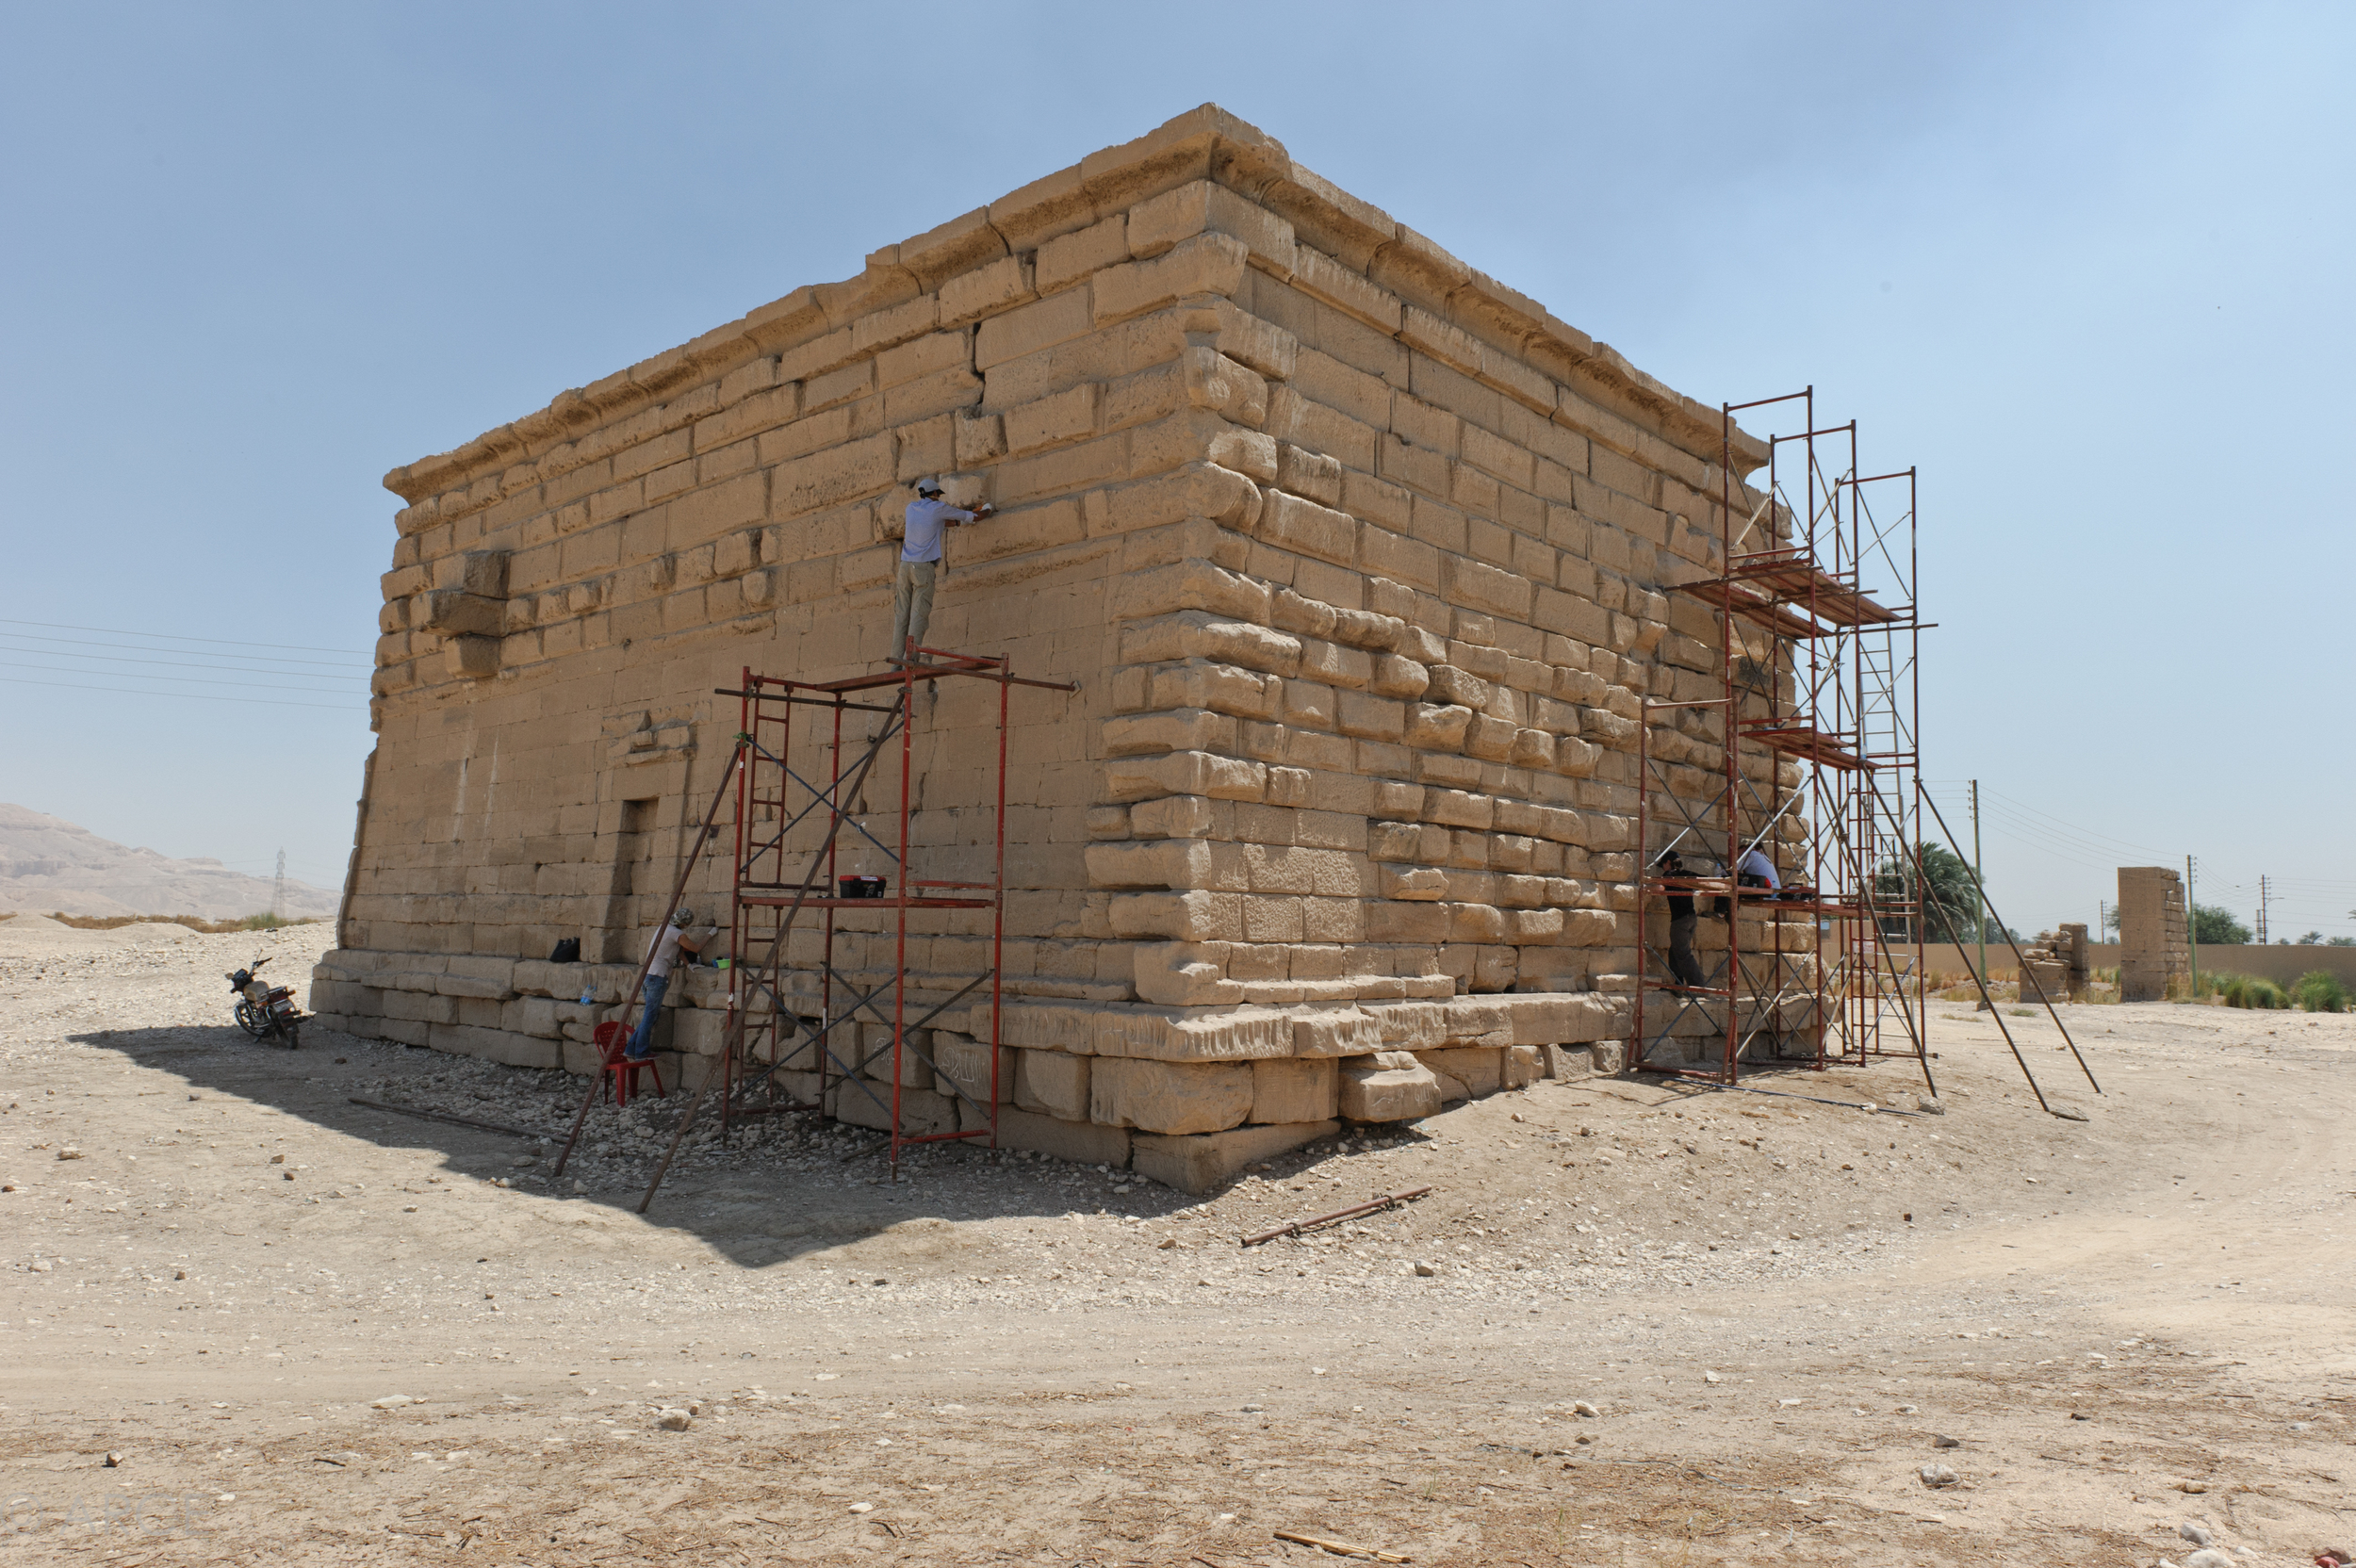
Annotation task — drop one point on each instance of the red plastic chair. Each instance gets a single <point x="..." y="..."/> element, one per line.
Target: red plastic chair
<point x="621" y="1073"/>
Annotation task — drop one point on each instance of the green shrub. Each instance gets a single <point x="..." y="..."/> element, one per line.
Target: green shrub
<point x="2320" y="991"/>
<point x="2244" y="990"/>
<point x="2181" y="988"/>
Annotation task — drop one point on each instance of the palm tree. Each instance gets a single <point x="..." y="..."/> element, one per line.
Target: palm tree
<point x="1951" y="902"/>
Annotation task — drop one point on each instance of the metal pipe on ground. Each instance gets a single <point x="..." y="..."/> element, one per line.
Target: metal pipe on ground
<point x="1294" y="1227"/>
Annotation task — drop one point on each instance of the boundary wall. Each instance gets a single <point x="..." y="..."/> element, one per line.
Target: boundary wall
<point x="2279" y="964"/>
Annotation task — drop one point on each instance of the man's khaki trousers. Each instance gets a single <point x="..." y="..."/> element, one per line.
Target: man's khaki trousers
<point x="911" y="602"/>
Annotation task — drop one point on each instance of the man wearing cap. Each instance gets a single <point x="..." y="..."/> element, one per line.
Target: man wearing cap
<point x="920" y="565"/>
<point x="1675" y="882"/>
<point x="663" y="949"/>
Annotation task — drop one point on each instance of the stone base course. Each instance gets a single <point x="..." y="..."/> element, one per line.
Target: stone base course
<point x="1200" y="1162"/>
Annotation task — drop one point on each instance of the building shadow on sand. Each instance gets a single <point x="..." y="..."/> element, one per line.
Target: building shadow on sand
<point x="787" y="1185"/>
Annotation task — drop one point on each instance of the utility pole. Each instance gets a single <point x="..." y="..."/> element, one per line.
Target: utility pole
<point x="2192" y="931"/>
<point x="2261" y="912"/>
<point x="278" y="889"/>
<point x="1979" y="883"/>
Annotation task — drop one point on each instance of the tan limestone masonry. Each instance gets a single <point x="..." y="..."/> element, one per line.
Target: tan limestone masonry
<point x="1361" y="558"/>
<point x="2155" y="944"/>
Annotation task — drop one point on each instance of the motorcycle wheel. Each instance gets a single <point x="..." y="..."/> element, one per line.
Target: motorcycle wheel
<point x="252" y="1019"/>
<point x="293" y="1028"/>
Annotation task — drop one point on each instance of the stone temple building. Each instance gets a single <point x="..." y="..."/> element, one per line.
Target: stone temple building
<point x="1361" y="562"/>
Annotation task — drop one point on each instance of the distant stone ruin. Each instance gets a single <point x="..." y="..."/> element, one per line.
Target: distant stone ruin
<point x="2055" y="966"/>
<point x="2154" y="942"/>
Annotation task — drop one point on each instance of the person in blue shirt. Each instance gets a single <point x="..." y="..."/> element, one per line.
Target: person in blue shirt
<point x="921" y="565"/>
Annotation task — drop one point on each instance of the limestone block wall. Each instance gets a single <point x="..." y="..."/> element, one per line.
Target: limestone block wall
<point x="1361" y="562"/>
<point x="2154" y="941"/>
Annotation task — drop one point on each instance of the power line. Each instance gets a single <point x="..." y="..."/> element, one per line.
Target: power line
<point x="2297" y="899"/>
<point x="348" y="672"/>
<point x="2046" y="841"/>
<point x="2083" y="832"/>
<point x="184" y="697"/>
<point x="175" y="637"/>
<point x="176" y="679"/>
<point x="2092" y="855"/>
<point x="2049" y="853"/>
<point x="2027" y="826"/>
<point x="142" y="647"/>
<point x="2058" y="830"/>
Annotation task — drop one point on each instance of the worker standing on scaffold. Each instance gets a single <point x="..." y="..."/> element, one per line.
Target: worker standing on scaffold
<point x="921" y="565"/>
<point x="1682" y="963"/>
<point x="662" y="951"/>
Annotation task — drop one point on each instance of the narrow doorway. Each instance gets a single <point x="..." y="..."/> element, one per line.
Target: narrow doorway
<point x="632" y="882"/>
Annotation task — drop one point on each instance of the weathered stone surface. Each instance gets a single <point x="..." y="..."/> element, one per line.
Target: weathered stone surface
<point x="2154" y="944"/>
<point x="1567" y="1062"/>
<point x="1083" y="1142"/>
<point x="1198" y="1164"/>
<point x="1302" y="1089"/>
<point x="1168" y="1097"/>
<point x="1052" y="1084"/>
<point x="964" y="1061"/>
<point x="495" y="1045"/>
<point x="1521" y="1064"/>
<point x="1334" y="1032"/>
<point x="921" y="1110"/>
<point x="1390" y="1085"/>
<point x="694" y="1031"/>
<point x="1180" y="974"/>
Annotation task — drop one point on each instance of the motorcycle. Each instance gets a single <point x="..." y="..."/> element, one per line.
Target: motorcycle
<point x="266" y="1011"/>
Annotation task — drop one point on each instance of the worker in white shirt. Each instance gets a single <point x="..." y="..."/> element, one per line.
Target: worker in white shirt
<point x="1752" y="869"/>
<point x="663" y="949"/>
<point x="921" y="565"/>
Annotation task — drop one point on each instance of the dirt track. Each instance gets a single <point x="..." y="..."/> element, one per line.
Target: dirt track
<point x="1775" y="1307"/>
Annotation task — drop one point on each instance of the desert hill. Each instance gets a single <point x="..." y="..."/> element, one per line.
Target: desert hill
<point x="50" y="865"/>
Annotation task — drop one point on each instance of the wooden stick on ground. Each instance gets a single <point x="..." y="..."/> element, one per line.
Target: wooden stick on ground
<point x="446" y="1116"/>
<point x="1341" y="1548"/>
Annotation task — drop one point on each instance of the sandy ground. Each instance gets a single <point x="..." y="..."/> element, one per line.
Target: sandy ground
<point x="1777" y="1311"/>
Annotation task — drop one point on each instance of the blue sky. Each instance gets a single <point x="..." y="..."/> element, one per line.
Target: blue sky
<point x="2085" y="265"/>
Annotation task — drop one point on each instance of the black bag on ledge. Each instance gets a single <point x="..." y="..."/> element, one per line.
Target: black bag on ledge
<point x="568" y="952"/>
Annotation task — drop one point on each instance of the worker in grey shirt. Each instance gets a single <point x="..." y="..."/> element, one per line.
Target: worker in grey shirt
<point x="920" y="564"/>
<point x="662" y="951"/>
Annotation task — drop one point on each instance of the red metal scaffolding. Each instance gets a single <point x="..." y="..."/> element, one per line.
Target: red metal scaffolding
<point x="791" y="826"/>
<point x="1818" y="646"/>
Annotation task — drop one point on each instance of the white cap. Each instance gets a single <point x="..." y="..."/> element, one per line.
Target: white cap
<point x="930" y="485"/>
